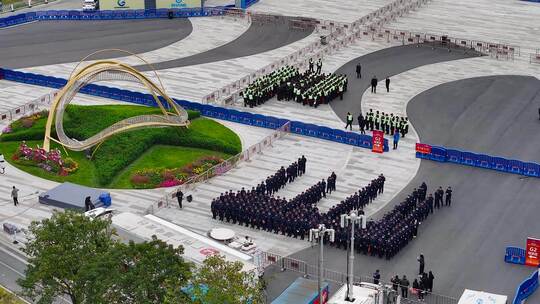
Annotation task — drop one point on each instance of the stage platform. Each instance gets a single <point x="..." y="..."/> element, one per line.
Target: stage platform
<point x="71" y="196"/>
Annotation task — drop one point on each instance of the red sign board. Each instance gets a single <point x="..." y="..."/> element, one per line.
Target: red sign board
<point x="377" y="141"/>
<point x="533" y="251"/>
<point x="423" y="148"/>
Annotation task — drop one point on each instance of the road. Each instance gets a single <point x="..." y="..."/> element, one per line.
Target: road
<point x="54" y="42"/>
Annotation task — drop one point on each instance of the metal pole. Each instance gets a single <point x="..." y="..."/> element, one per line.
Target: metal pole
<point x="350" y="294"/>
<point x="321" y="241"/>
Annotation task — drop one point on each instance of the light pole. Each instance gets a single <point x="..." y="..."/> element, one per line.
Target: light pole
<point x="319" y="233"/>
<point x="352" y="219"/>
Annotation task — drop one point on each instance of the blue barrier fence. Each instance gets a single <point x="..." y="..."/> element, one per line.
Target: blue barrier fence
<point x="297" y="127"/>
<point x="109" y="15"/>
<point x="526" y="289"/>
<point x="445" y="155"/>
<point x="515" y="255"/>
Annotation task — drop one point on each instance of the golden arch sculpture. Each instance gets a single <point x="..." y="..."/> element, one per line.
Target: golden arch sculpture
<point x="107" y="70"/>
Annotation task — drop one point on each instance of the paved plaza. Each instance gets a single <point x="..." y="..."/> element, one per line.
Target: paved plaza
<point x="452" y="97"/>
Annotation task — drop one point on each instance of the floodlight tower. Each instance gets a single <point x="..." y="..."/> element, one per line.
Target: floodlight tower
<point x="351" y="219"/>
<point x="319" y="233"/>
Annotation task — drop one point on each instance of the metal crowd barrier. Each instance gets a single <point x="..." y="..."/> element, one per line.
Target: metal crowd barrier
<point x="442" y="154"/>
<point x="310" y="271"/>
<point x="515" y="255"/>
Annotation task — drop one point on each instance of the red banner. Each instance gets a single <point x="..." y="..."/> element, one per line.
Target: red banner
<point x="423" y="148"/>
<point x="533" y="249"/>
<point x="377" y="141"/>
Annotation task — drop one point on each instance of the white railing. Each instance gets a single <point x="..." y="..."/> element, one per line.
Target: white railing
<point x="222" y="168"/>
<point x="28" y="108"/>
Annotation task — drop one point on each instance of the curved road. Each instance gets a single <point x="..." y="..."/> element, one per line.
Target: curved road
<point x="259" y="38"/>
<point x="464" y="245"/>
<point x="54" y="42"/>
<point x="384" y="63"/>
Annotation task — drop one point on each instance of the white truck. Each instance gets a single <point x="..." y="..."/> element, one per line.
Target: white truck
<point x="365" y="293"/>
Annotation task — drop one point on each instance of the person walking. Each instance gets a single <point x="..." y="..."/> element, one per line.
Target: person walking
<point x="361" y="123"/>
<point x="376" y="277"/>
<point x="359" y="74"/>
<point x="421" y="264"/>
<point x="349" y="121"/>
<point x="404" y="286"/>
<point x="374" y="82"/>
<point x="396" y="139"/>
<point x="387" y="82"/>
<point x="179" y="197"/>
<point x="15" y="196"/>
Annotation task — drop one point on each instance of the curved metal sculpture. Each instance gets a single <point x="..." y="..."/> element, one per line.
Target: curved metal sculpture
<point x="106" y="70"/>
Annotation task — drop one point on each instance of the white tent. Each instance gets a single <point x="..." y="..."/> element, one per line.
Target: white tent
<point x="476" y="297"/>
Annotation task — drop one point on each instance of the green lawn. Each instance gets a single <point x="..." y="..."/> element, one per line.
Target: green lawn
<point x="119" y="156"/>
<point x="166" y="157"/>
<point x="7" y="297"/>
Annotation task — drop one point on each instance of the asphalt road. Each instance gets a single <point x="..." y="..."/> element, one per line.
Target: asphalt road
<point x="386" y="63"/>
<point x="259" y="38"/>
<point x="53" y="42"/>
<point x="464" y="244"/>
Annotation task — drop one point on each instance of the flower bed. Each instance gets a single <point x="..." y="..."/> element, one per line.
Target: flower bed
<point x="49" y="161"/>
<point x="158" y="178"/>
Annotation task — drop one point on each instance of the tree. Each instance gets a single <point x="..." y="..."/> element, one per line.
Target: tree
<point x="144" y="272"/>
<point x="221" y="282"/>
<point x="59" y="248"/>
<point x="71" y="254"/>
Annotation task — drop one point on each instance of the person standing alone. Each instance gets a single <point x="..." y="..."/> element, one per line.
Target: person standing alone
<point x="374" y="82"/>
<point x="396" y="139"/>
<point x="421" y="262"/>
<point x="349" y="120"/>
<point x="15" y="196"/>
<point x="387" y="82"/>
<point x="359" y="72"/>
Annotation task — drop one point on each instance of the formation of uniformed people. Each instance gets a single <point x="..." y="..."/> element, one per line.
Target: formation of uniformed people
<point x="309" y="88"/>
<point x="264" y="88"/>
<point x="313" y="89"/>
<point x="387" y="236"/>
<point x="386" y="122"/>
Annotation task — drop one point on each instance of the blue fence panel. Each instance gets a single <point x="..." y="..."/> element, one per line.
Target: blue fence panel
<point x="352" y="138"/>
<point x="438" y="154"/>
<point x="499" y="164"/>
<point x="325" y="133"/>
<point x="526" y="288"/>
<point x="531" y="169"/>
<point x="235" y="116"/>
<point x="469" y="158"/>
<point x="365" y="141"/>
<point x="222" y="113"/>
<point x="258" y="120"/>
<point x="454" y="156"/>
<point x="272" y="123"/>
<point x="484" y="161"/>
<point x="515" y="166"/>
<point x="340" y="136"/>
<point x="423" y="155"/>
<point x="247" y="118"/>
<point x="515" y="255"/>
<point x="312" y="130"/>
<point x="298" y="127"/>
